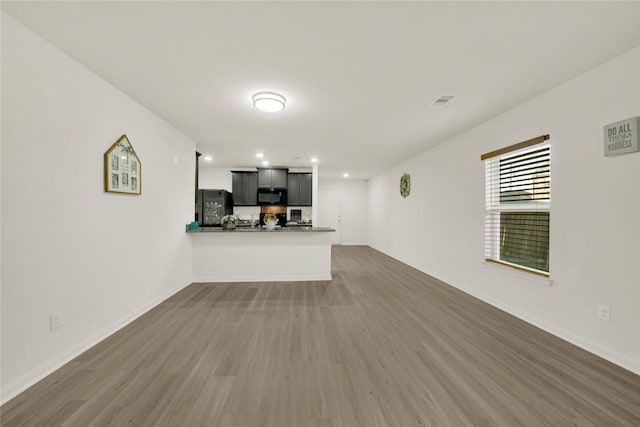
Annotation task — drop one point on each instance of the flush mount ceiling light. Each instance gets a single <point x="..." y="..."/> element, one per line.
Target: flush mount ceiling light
<point x="208" y="158"/>
<point x="346" y="175"/>
<point x="270" y="102"/>
<point x="259" y="155"/>
<point x="265" y="163"/>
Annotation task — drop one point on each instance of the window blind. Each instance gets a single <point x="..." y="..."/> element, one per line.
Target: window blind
<point x="517" y="211"/>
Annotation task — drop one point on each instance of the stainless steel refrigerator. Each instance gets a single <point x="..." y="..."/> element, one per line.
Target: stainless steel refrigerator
<point x="212" y="205"/>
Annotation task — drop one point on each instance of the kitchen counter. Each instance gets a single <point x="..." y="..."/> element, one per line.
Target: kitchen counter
<point x="294" y="229"/>
<point x="261" y="255"/>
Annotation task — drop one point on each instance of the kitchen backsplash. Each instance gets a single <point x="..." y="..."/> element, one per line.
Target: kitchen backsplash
<point x="306" y="212"/>
<point x="247" y="212"/>
<point x="251" y="212"/>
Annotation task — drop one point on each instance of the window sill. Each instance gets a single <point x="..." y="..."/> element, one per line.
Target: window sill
<point x="520" y="273"/>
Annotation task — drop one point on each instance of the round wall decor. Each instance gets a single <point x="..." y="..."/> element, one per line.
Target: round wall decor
<point x="405" y="185"/>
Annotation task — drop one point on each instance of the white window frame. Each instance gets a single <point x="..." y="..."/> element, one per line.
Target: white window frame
<point x="493" y="207"/>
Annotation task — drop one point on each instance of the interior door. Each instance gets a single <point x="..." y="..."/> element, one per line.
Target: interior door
<point x="329" y="213"/>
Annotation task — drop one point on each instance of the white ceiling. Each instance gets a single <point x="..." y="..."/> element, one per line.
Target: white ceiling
<point x="359" y="77"/>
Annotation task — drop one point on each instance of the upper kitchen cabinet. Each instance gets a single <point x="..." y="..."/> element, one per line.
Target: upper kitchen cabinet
<point x="306" y="185"/>
<point x="272" y="178"/>
<point x="299" y="189"/>
<point x="244" y="188"/>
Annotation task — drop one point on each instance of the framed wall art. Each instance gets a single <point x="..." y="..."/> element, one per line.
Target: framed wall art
<point x="122" y="168"/>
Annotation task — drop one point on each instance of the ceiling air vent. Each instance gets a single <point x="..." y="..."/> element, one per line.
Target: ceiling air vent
<point x="443" y="100"/>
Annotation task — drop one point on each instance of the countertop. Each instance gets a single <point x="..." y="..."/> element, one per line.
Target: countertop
<point x="296" y="229"/>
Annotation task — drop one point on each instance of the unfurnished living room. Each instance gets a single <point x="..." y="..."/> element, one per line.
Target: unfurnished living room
<point x="320" y="213"/>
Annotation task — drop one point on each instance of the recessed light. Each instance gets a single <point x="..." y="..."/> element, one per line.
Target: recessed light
<point x="269" y="102"/>
<point x="208" y="158"/>
<point x="346" y="175"/>
<point x="314" y="160"/>
<point x="259" y="155"/>
<point x="265" y="163"/>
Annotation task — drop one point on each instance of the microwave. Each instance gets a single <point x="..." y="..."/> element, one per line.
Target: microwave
<point x="271" y="196"/>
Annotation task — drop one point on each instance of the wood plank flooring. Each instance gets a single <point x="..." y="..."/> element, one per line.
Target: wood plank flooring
<point x="381" y="345"/>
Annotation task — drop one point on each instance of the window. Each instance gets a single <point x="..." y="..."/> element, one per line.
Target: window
<point x="518" y="197"/>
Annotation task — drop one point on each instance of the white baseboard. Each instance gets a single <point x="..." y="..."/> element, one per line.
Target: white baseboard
<point x="36" y="374"/>
<point x="218" y="279"/>
<point x="621" y="360"/>
<point x="618" y="359"/>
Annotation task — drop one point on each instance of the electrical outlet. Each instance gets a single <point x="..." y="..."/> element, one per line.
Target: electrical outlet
<point x="55" y="321"/>
<point x="604" y="312"/>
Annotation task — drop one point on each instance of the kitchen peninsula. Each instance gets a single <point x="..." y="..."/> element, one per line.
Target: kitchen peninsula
<point x="260" y="255"/>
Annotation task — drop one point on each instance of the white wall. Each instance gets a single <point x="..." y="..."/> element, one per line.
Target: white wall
<point x="595" y="213"/>
<point x="354" y="197"/>
<point x="213" y="178"/>
<point x="99" y="259"/>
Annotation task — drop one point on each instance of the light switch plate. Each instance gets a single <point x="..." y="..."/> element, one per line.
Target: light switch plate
<point x="604" y="312"/>
<point x="55" y="321"/>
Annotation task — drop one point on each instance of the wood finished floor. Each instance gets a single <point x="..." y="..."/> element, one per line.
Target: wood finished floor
<point x="380" y="345"/>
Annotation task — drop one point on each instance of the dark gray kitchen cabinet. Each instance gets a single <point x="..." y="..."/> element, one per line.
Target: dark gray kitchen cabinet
<point x="279" y="178"/>
<point x="293" y="189"/>
<point x="244" y="186"/>
<point x="264" y="178"/>
<point x="299" y="189"/>
<point x="306" y="185"/>
<point x="272" y="178"/>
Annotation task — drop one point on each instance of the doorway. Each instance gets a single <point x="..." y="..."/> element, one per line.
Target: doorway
<point x="330" y="213"/>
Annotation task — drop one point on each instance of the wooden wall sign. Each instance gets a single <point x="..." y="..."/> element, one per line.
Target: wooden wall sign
<point x="622" y="137"/>
<point x="122" y="168"/>
<point x="405" y="185"/>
